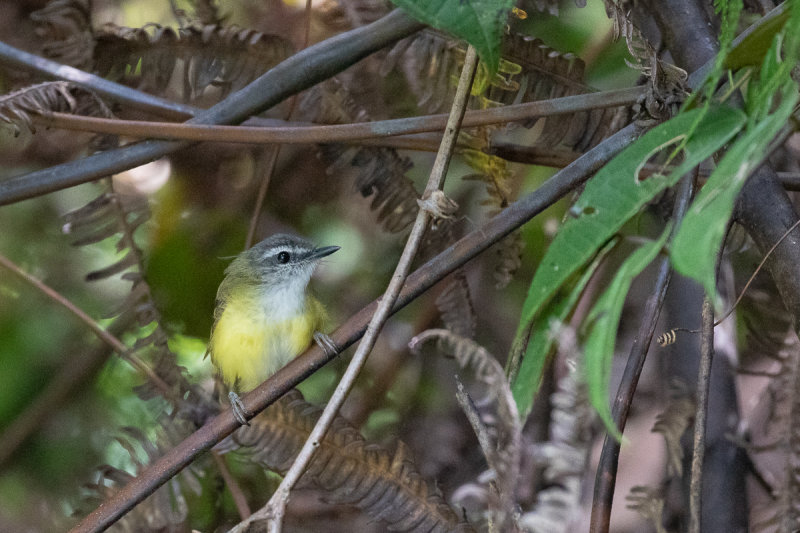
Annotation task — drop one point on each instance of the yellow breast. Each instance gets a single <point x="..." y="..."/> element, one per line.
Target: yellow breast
<point x="249" y="344"/>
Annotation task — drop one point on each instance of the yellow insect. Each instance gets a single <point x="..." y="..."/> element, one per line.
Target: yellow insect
<point x="667" y="338"/>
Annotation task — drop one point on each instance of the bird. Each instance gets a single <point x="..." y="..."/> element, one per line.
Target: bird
<point x="265" y="314"/>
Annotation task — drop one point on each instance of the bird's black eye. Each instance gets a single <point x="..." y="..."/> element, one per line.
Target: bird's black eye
<point x="283" y="257"/>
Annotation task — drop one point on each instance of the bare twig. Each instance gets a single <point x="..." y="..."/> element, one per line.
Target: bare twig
<point x="293" y="133"/>
<point x="116" y="344"/>
<point x="275" y="508"/>
<point x="267" y="163"/>
<point x="699" y="439"/>
<point x="238" y="496"/>
<point x="271" y="155"/>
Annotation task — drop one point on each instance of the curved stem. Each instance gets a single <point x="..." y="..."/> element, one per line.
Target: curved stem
<point x="294" y="133"/>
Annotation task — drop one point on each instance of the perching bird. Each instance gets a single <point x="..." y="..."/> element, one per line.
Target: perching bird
<point x="265" y="314"/>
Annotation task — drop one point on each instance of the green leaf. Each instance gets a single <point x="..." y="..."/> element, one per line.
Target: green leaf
<point x="604" y="321"/>
<point x="479" y="22"/>
<point x="527" y="382"/>
<point x="616" y="194"/>
<point x="750" y="51"/>
<point x="695" y="247"/>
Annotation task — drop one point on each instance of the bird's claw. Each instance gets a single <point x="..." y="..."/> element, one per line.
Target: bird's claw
<point x="326" y="343"/>
<point x="240" y="412"/>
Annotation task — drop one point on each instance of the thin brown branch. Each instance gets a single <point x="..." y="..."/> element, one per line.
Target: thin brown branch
<point x="342" y="132"/>
<point x="271" y="156"/>
<point x="239" y="499"/>
<point x="116" y="344"/>
<point x="267" y="161"/>
<point x="699" y="438"/>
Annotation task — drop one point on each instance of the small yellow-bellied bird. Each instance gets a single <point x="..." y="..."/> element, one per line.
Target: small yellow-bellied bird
<point x="265" y="314"/>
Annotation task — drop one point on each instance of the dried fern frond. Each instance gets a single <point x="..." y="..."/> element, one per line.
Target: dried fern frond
<point x="384" y="485"/>
<point x="649" y="503"/>
<point x="666" y="81"/>
<point x="500" y="436"/>
<point x="494" y="173"/>
<point x="673" y="422"/>
<point x="227" y="57"/>
<point x="379" y="172"/>
<point x="509" y="258"/>
<point x="455" y="306"/>
<point x="566" y="454"/>
<point x="53" y="96"/>
<point x="113" y="215"/>
<point x="773" y="421"/>
<point x="164" y="510"/>
<point x="65" y="28"/>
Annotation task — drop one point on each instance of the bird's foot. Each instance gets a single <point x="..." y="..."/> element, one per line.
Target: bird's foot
<point x="240" y="412"/>
<point x="326" y="343"/>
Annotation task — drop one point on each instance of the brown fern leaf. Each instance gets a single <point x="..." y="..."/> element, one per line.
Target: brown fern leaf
<point x="494" y="173"/>
<point x="384" y="485"/>
<point x="649" y="503"/>
<point x="65" y="27"/>
<point x="666" y="88"/>
<point x="226" y="57"/>
<point x="164" y="510"/>
<point x="499" y="435"/>
<point x="672" y="423"/>
<point x="112" y="215"/>
<point x="455" y="306"/>
<point x="379" y="172"/>
<point x="775" y="436"/>
<point x="509" y="259"/>
<point x="53" y="96"/>
<point x="454" y="301"/>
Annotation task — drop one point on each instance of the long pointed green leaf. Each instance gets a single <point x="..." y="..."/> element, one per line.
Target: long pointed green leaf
<point x="695" y="247"/>
<point x="604" y="321"/>
<point x="527" y="382"/>
<point x="616" y="194"/>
